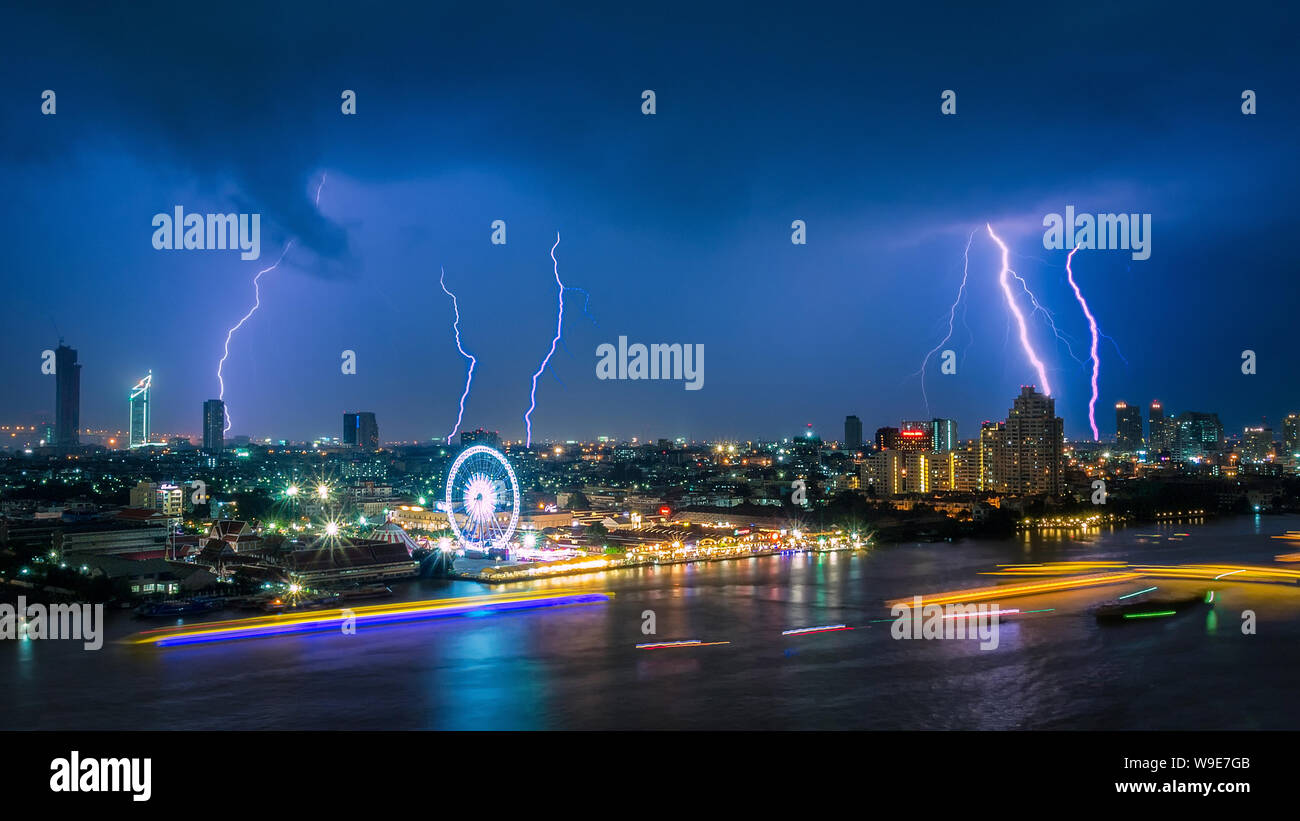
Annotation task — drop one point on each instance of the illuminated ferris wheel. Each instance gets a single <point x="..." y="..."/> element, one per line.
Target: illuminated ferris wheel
<point x="482" y="503"/>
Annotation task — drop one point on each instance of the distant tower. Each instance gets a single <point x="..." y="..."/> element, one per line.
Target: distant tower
<point x="361" y="430"/>
<point x="1291" y="434"/>
<point x="67" y="397"/>
<point x="852" y="433"/>
<point x="1157" y="430"/>
<point x="214" y="424"/>
<point x="1128" y="427"/>
<point x="139" y="404"/>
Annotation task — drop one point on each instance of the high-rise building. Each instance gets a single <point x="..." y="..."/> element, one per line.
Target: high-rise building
<point x="943" y="435"/>
<point x="1028" y="454"/>
<point x="990" y="438"/>
<point x="67" y="397"/>
<point x="913" y="437"/>
<point x="1128" y="427"/>
<point x="139" y="404"/>
<point x="1197" y="435"/>
<point x="493" y="439"/>
<point x="886" y="438"/>
<point x="1257" y="444"/>
<point x="852" y="433"/>
<point x="361" y="430"/>
<point x="1158" y="428"/>
<point x="214" y="426"/>
<point x="892" y="472"/>
<point x="1291" y="435"/>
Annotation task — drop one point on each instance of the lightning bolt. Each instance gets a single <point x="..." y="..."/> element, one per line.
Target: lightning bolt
<point x="559" y="323"/>
<point x="1020" y="317"/>
<point x="257" y="303"/>
<point x="1092" y="326"/>
<point x="469" y="377"/>
<point x="1051" y="319"/>
<point x="952" y="314"/>
<point x="585" y="304"/>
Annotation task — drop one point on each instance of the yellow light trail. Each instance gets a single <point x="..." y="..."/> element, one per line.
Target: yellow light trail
<point x="237" y="628"/>
<point x="1022" y="589"/>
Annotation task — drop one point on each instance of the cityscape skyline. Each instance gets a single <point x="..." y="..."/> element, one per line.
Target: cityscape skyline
<point x="1180" y="433"/>
<point x="677" y="225"/>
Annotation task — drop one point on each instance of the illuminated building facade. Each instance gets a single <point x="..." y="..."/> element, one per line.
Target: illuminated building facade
<point x="360" y="430"/>
<point x="1291" y="435"/>
<point x="1197" y="435"/>
<point x="1028" y="451"/>
<point x="139" y="405"/>
<point x="1128" y="427"/>
<point x="1257" y="444"/>
<point x="1158" y="428"/>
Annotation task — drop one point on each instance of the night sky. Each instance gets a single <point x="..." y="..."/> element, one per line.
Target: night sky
<point x="677" y="224"/>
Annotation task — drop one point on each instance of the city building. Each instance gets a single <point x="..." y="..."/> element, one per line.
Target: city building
<point x="481" y="437"/>
<point x="1028" y="453"/>
<point x="67" y="397"/>
<point x="913" y="437"/>
<point x="1158" y="433"/>
<point x="990" y="437"/>
<point x="1197" y="435"/>
<point x="1128" y="427"/>
<point x="894" y="472"/>
<point x="1257" y="444"/>
<point x="852" y="433"/>
<point x="139" y="406"/>
<point x="1291" y="435"/>
<point x="169" y="499"/>
<point x="360" y="430"/>
<point x="943" y="435"/>
<point x="214" y="425"/>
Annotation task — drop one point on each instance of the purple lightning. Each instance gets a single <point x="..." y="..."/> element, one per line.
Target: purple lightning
<point x="469" y="377"/>
<point x="1020" y="317"/>
<point x="559" y="323"/>
<point x="257" y="303"/>
<point x="1092" y="326"/>
<point x="1051" y="320"/>
<point x="952" y="314"/>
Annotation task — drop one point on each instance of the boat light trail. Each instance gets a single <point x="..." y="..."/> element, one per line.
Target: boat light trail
<point x="319" y="620"/>
<point x="829" y="628"/>
<point x="1020" y="317"/>
<point x="559" y="324"/>
<point x="1137" y="593"/>
<point x="1022" y="589"/>
<point x="469" y="377"/>
<point x="1150" y="615"/>
<point x="663" y="645"/>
